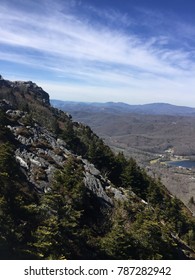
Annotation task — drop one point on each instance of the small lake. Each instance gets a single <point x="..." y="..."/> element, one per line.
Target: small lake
<point x="183" y="163"/>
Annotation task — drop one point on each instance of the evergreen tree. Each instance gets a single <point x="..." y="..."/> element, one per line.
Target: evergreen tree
<point x="60" y="212"/>
<point x="134" y="178"/>
<point x="16" y="216"/>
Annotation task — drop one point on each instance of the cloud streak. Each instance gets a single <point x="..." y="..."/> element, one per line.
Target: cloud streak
<point x="78" y="51"/>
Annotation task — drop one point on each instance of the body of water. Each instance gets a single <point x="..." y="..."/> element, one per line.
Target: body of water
<point x="183" y="163"/>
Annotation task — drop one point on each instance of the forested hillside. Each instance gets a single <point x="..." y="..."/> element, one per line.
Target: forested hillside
<point x="65" y="195"/>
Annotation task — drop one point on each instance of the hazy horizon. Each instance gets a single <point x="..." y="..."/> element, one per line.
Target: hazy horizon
<point x="119" y="102"/>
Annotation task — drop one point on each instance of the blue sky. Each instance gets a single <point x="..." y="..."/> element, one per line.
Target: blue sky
<point x="133" y="51"/>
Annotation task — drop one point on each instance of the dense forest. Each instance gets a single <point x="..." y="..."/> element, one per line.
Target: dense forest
<point x="67" y="220"/>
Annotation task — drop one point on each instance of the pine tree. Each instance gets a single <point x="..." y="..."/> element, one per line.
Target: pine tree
<point x="60" y="212"/>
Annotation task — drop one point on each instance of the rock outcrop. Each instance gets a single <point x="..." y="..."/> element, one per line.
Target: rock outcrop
<point x="39" y="154"/>
<point x="10" y="89"/>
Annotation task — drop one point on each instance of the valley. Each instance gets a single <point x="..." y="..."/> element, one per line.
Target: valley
<point x="153" y="140"/>
<point x="180" y="181"/>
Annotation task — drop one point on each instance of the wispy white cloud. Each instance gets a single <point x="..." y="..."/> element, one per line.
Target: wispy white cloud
<point x="91" y="56"/>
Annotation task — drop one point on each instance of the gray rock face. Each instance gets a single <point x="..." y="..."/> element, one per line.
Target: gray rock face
<point x="15" y="113"/>
<point x="90" y="168"/>
<point x="118" y="193"/>
<point x="96" y="182"/>
<point x="40" y="154"/>
<point x="97" y="186"/>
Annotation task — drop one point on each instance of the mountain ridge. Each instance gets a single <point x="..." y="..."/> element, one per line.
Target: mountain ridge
<point x="120" y="107"/>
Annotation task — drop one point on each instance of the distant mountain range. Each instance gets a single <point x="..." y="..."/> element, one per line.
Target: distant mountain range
<point x="119" y="107"/>
<point x="149" y="128"/>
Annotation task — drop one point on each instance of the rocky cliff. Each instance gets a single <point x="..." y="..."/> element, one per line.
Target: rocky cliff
<point x="65" y="194"/>
<point x="40" y="153"/>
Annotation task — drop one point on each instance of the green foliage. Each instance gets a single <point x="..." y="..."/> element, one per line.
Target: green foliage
<point x="60" y="213"/>
<point x="133" y="177"/>
<point x="6" y="159"/>
<point x="119" y="243"/>
<point x="16" y="216"/>
<point x="4" y="132"/>
<point x="2" y="119"/>
<point x="72" y="140"/>
<point x="69" y="222"/>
